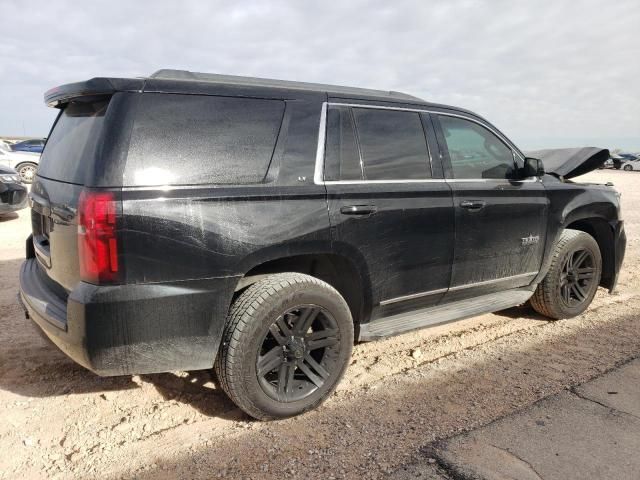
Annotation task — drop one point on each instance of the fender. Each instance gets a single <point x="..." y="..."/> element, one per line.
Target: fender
<point x="572" y="203"/>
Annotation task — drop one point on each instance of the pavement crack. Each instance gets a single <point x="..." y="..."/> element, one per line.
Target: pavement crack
<point x="517" y="457"/>
<point x="574" y="391"/>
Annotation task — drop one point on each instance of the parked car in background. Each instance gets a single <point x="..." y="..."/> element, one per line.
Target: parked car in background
<point x="25" y="163"/>
<point x="35" y="145"/>
<point x="628" y="156"/>
<point x="631" y="165"/>
<point x="607" y="164"/>
<point x="13" y="195"/>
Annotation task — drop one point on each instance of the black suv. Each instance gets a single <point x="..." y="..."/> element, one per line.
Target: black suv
<point x="187" y="221"/>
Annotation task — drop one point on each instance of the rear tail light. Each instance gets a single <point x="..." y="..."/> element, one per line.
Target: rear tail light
<point x="97" y="243"/>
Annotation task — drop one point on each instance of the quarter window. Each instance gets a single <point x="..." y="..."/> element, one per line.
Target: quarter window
<point x="474" y="151"/>
<point x="198" y="139"/>
<point x="392" y="144"/>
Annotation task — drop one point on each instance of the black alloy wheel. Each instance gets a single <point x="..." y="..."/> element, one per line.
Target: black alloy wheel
<point x="299" y="353"/>
<point x="286" y="344"/>
<point x="572" y="279"/>
<point x="577" y="277"/>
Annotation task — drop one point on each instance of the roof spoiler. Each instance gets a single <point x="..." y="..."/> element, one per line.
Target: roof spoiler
<point x="58" y="96"/>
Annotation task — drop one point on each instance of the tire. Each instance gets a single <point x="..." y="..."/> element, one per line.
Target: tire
<point x="627" y="168"/>
<point x="27" y="171"/>
<point x="269" y="364"/>
<point x="572" y="279"/>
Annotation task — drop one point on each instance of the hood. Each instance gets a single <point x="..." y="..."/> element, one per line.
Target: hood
<point x="570" y="162"/>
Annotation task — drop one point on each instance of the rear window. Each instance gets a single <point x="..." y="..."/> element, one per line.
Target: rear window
<point x="194" y="139"/>
<point x="73" y="142"/>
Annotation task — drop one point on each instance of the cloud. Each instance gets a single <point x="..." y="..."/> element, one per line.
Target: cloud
<point x="545" y="72"/>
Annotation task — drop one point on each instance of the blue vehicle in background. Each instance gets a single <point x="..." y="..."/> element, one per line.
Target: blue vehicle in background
<point x="35" y="145"/>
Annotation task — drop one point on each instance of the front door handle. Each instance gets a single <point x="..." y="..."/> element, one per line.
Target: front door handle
<point x="473" y="204"/>
<point x="358" y="210"/>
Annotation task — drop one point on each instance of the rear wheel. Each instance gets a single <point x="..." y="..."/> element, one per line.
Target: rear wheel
<point x="286" y="345"/>
<point x="572" y="279"/>
<point x="27" y="171"/>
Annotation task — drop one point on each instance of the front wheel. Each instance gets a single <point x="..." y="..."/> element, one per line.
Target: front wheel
<point x="628" y="168"/>
<point x="286" y="345"/>
<point x="572" y="279"/>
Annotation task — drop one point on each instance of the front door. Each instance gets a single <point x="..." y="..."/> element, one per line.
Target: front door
<point x="387" y="211"/>
<point x="500" y="223"/>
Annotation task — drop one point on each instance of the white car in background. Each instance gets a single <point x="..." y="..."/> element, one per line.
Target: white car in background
<point x="25" y="163"/>
<point x="629" y="165"/>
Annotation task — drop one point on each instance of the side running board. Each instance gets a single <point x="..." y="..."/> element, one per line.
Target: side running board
<point x="426" y="317"/>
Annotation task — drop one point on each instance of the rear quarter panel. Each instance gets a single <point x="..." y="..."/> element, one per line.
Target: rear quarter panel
<point x="194" y="232"/>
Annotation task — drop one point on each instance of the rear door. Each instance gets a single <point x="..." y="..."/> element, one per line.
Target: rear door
<point x="500" y="223"/>
<point x="390" y="209"/>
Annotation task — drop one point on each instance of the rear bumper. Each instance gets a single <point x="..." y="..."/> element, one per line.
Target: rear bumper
<point x="131" y="329"/>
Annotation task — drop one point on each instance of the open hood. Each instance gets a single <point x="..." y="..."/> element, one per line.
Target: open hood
<point x="570" y="162"/>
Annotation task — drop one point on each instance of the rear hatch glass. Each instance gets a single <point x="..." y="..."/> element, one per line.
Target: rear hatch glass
<point x="67" y="160"/>
<point x="73" y="142"/>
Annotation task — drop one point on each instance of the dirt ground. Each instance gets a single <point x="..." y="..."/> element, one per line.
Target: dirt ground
<point x="61" y="421"/>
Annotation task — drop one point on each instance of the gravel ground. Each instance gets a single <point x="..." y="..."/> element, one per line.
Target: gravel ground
<point x="61" y="421"/>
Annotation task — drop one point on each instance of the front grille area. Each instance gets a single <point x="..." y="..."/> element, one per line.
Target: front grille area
<point x="19" y="196"/>
<point x="13" y="197"/>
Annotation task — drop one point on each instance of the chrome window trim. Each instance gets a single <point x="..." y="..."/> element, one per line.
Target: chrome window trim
<point x="363" y="182"/>
<point x="322" y="134"/>
<point x="318" y="172"/>
<point x="500" y="181"/>
<point x="356" y="138"/>
<point x="456" y="288"/>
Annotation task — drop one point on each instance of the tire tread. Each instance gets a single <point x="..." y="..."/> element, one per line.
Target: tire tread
<point x="544" y="299"/>
<point x="241" y="315"/>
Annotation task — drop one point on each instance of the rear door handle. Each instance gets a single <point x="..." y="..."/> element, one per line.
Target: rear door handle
<point x="473" y="204"/>
<point x="358" y="210"/>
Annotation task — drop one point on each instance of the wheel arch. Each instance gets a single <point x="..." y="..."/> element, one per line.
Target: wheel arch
<point x="26" y="162"/>
<point x="603" y="234"/>
<point x="338" y="270"/>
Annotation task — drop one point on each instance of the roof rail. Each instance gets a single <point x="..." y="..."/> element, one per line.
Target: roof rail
<point x="186" y="75"/>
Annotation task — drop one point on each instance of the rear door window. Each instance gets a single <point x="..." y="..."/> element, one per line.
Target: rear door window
<point x="73" y="142"/>
<point x="342" y="160"/>
<point x="392" y="144"/>
<point x="195" y="139"/>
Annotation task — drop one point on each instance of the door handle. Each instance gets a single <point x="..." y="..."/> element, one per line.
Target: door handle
<point x="358" y="210"/>
<point x="473" y="204"/>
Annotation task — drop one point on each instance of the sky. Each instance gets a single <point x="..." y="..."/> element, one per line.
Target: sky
<point x="548" y="73"/>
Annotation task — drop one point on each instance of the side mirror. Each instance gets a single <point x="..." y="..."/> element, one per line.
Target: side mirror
<point x="533" y="167"/>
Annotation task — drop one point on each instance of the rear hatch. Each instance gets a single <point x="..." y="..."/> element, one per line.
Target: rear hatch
<point x="67" y="163"/>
